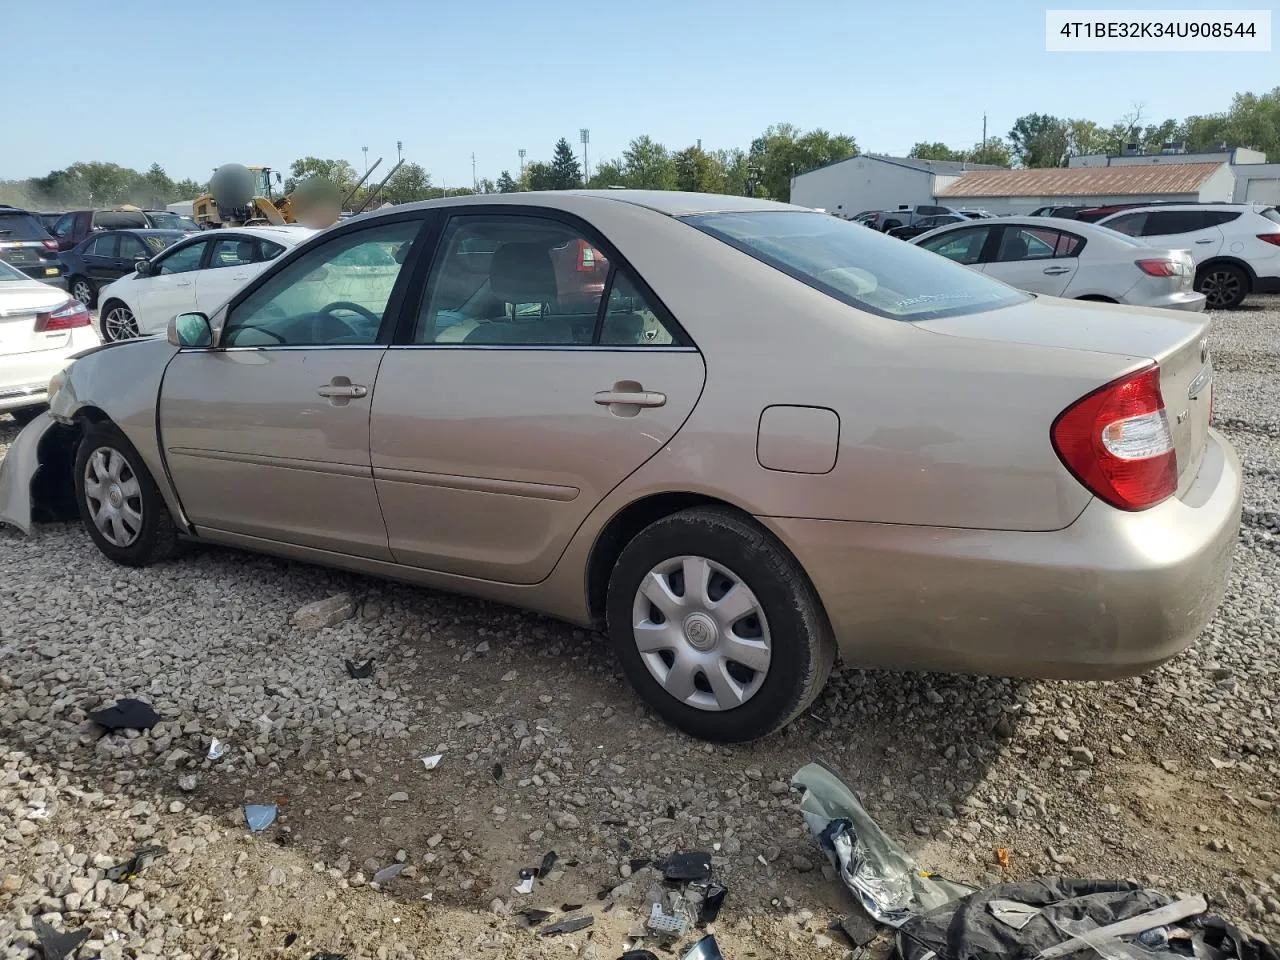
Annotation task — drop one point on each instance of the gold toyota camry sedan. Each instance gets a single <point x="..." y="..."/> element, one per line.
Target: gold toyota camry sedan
<point x="743" y="437"/>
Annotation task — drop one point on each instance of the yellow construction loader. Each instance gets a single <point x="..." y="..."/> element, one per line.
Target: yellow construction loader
<point x="240" y="196"/>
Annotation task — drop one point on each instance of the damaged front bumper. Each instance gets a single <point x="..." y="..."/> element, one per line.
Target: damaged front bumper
<point x="19" y="472"/>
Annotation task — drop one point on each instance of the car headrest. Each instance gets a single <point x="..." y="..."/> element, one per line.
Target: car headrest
<point x="523" y="273"/>
<point x="244" y="251"/>
<point x="1016" y="248"/>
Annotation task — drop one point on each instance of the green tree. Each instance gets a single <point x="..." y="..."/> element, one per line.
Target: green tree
<point x="935" y="151"/>
<point x="566" y="172"/>
<point x="540" y="176"/>
<point x="487" y="185"/>
<point x="995" y="152"/>
<point x="1084" y="138"/>
<point x="782" y="152"/>
<point x="411" y="182"/>
<point x="698" y="171"/>
<point x="608" y="174"/>
<point x="1205" y="134"/>
<point x="187" y="189"/>
<point x="506" y="184"/>
<point x="159" y="186"/>
<point x="1040" y="140"/>
<point x="734" y="164"/>
<point x="1254" y="121"/>
<point x="338" y="172"/>
<point x="646" y="165"/>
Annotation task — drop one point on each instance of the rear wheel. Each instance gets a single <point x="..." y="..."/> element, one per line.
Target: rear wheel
<point x="717" y="627"/>
<point x="117" y="322"/>
<point x="82" y="289"/>
<point x="120" y="505"/>
<point x="1224" y="286"/>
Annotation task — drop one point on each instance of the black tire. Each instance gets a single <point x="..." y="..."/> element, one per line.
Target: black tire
<point x="802" y="645"/>
<point x="157" y="538"/>
<point x="24" y="415"/>
<point x="84" y="290"/>
<point x="129" y="323"/>
<point x="1224" y="285"/>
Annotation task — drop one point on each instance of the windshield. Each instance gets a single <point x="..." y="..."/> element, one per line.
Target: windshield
<point x="21" y="226"/>
<point x="857" y="266"/>
<point x="158" y="242"/>
<point x="168" y="221"/>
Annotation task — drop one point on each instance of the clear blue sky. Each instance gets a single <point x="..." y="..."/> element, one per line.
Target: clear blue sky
<point x="195" y="83"/>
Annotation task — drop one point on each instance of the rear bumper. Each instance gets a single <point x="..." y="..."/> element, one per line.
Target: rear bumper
<point x="18" y="470"/>
<point x="1266" y="285"/>
<point x="1190" y="301"/>
<point x="1111" y="595"/>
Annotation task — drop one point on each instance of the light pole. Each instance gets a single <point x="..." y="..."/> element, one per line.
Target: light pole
<point x="399" y="147"/>
<point x="585" y="136"/>
<point x="521" y="151"/>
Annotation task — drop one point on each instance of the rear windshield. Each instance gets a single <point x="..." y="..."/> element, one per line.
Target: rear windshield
<point x="1272" y="214"/>
<point x="10" y="273"/>
<point x="857" y="266"/>
<point x="118" y="219"/>
<point x="167" y="221"/>
<point x="21" y="226"/>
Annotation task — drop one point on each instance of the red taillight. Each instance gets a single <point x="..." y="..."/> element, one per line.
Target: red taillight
<point x="71" y="314"/>
<point x="1271" y="238"/>
<point x="50" y="244"/>
<point x="1117" y="442"/>
<point x="1159" y="268"/>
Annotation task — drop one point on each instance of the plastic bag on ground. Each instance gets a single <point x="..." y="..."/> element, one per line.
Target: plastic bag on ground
<point x="884" y="878"/>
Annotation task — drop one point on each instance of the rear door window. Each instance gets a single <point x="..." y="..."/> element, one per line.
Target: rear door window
<point x="131" y="248"/>
<point x="962" y="246"/>
<point x="233" y="252"/>
<point x="871" y="272"/>
<point x="1037" y="243"/>
<point x="105" y="246"/>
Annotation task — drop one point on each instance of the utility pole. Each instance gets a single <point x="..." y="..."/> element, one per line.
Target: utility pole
<point x="585" y="136"/>
<point x="983" y="148"/>
<point x="475" y="184"/>
<point x="366" y="159"/>
<point x="399" y="147"/>
<point x="521" y="151"/>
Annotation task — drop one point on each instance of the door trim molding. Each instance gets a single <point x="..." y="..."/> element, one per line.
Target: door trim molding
<point x="264" y="460"/>
<point x="510" y="488"/>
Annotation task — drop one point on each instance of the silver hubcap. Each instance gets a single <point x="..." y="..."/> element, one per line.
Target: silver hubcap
<point x="701" y="633"/>
<point x="114" y="497"/>
<point x="81" y="292"/>
<point x="119" y="325"/>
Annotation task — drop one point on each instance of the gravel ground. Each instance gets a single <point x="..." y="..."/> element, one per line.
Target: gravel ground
<point x="1170" y="779"/>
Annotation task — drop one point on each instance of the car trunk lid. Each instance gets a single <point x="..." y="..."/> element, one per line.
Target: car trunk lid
<point x="21" y="303"/>
<point x="1176" y="341"/>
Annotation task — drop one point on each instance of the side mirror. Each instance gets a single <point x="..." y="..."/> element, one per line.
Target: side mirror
<point x="144" y="267"/>
<point x="190" y="330"/>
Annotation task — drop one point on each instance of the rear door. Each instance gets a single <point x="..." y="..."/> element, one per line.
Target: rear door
<point x="1036" y="259"/>
<point x="536" y="374"/>
<point x="100" y="256"/>
<point x="1197" y="230"/>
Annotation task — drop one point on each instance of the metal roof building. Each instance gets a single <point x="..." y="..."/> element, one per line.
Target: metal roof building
<point x="872" y="181"/>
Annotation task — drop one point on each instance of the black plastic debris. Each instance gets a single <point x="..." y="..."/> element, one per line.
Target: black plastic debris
<point x="140" y="860"/>
<point x="570" y="907"/>
<point x="639" y="863"/>
<point x="671" y="811"/>
<point x="497" y="771"/>
<point x="548" y="864"/>
<point x="712" y="901"/>
<point x="607" y="907"/>
<point x="360" y="671"/>
<point x="569" y="925"/>
<point x="55" y="945"/>
<point x="290" y="940"/>
<point x="126" y="714"/>
<point x="270" y="691"/>
<point x="685" y="866"/>
<point x="624" y="845"/>
<point x="704" y="949"/>
<point x="603" y="893"/>
<point x="639" y="955"/>
<point x="533" y="916"/>
<point x="328" y="956"/>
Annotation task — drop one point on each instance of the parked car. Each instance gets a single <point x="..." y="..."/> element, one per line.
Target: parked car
<point x="1236" y="246"/>
<point x="71" y="228"/>
<point x="195" y="273"/>
<point x="108" y="255"/>
<point x="40" y="329"/>
<point x="1066" y="211"/>
<point x="27" y="246"/>
<point x="773" y="435"/>
<point x="47" y="220"/>
<point x="906" y="216"/>
<point x="1068" y="258"/>
<point x="977" y="214"/>
<point x="924" y="225"/>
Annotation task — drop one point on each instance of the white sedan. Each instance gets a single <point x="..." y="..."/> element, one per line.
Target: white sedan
<point x="197" y="274"/>
<point x="1071" y="259"/>
<point x="40" y="329"/>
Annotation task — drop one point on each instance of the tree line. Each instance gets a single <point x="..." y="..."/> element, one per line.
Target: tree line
<point x="763" y="169"/>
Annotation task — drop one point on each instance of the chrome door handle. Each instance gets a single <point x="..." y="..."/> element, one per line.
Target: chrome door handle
<point x="1205" y="240"/>
<point x="647" y="398"/>
<point x="347" y="390"/>
<point x="1054" y="271"/>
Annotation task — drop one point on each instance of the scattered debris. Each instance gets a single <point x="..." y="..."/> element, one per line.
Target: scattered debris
<point x="398" y="797"/>
<point x="570" y="907"/>
<point x="324" y="613"/>
<point x="533" y="916"/>
<point x="548" y="863"/>
<point x="705" y="949"/>
<point x="639" y="955"/>
<point x="712" y="901"/>
<point x="569" y="925"/>
<point x="859" y="927"/>
<point x="639" y="863"/>
<point x="525" y="885"/>
<point x="1002" y="857"/>
<point x="686" y="865"/>
<point x="216" y="749"/>
<point x="388" y="873"/>
<point x="259" y="816"/>
<point x="886" y="881"/>
<point x="55" y="945"/>
<point x="361" y="671"/>
<point x="497" y="771"/>
<point x="126" y="714"/>
<point x="432" y="761"/>
<point x="140" y="860"/>
<point x="290" y="940"/>
<point x="328" y="956"/>
<point x="665" y="925"/>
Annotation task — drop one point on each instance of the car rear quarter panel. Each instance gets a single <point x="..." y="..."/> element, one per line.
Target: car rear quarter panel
<point x="122" y="380"/>
<point x="934" y="431"/>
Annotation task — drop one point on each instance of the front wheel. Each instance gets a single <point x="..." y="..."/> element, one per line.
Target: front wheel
<point x="120" y="505"/>
<point x="1224" y="286"/>
<point x="717" y="626"/>
<point x="118" y="322"/>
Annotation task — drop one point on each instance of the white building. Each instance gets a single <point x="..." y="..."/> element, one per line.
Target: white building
<point x="870" y="181"/>
<point x="1256" y="181"/>
<point x="1021" y="191"/>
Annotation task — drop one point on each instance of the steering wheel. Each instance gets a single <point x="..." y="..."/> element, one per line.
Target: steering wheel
<point x="330" y="312"/>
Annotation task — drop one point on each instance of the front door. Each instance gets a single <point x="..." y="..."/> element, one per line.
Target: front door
<point x="1035" y="259"/>
<point x="538" y="376"/>
<point x="233" y="262"/>
<point x="170" y="289"/>
<point x="266" y="435"/>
